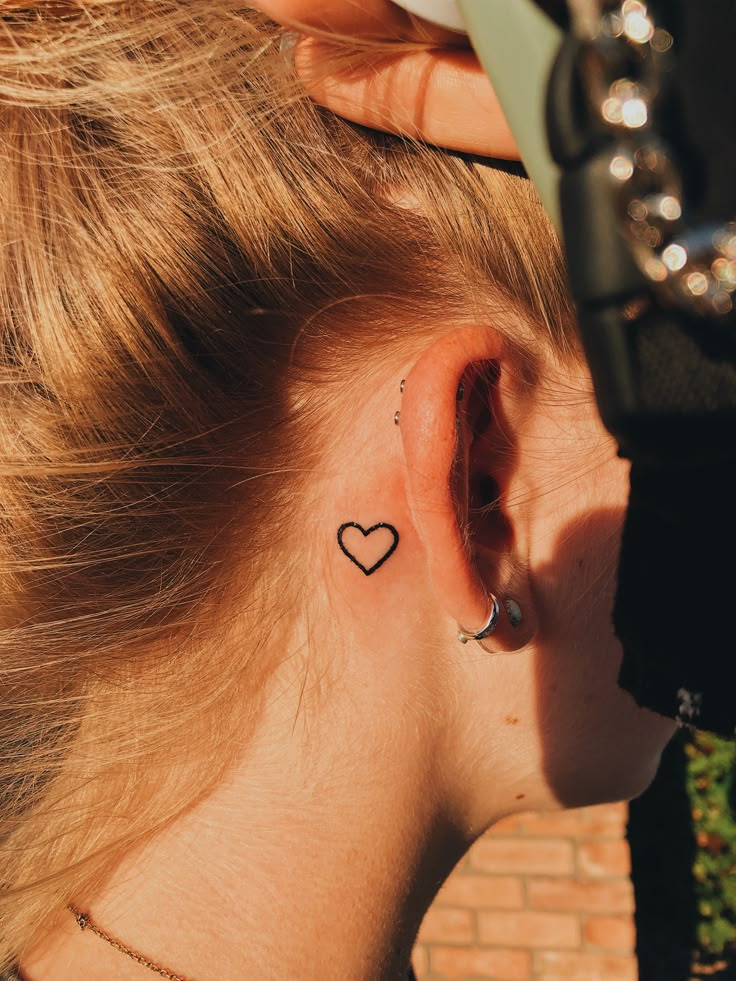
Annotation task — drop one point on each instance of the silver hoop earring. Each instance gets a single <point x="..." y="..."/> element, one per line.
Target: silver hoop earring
<point x="488" y="627"/>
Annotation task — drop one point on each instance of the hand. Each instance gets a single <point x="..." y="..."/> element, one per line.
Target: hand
<point x="440" y="95"/>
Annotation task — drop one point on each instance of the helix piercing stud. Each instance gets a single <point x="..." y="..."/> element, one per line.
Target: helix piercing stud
<point x="396" y="417"/>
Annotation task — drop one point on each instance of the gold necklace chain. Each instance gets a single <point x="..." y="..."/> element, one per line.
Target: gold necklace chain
<point x="86" y="924"/>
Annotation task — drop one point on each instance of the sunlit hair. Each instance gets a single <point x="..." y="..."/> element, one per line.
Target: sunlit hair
<point x="187" y="243"/>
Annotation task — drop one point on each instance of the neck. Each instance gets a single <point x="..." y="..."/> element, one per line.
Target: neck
<point x="317" y="859"/>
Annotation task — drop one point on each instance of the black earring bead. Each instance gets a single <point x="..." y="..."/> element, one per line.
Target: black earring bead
<point x="513" y="612"/>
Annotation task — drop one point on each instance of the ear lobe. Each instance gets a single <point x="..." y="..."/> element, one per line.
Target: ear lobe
<point x="450" y="475"/>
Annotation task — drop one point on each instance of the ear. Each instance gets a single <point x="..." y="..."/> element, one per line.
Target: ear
<point x="459" y="450"/>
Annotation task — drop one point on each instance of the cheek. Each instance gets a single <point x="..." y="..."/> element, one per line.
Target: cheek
<point x="597" y="744"/>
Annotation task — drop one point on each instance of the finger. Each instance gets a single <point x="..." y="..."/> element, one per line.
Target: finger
<point x="377" y="19"/>
<point x="441" y="96"/>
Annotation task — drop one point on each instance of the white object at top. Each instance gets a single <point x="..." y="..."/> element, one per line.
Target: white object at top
<point x="446" y="13"/>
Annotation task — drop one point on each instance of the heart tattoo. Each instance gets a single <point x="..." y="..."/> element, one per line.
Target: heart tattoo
<point x="376" y="552"/>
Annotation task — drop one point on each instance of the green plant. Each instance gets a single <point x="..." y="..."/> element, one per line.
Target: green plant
<point x="711" y="788"/>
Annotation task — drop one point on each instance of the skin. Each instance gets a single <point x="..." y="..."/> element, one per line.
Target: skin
<point x="440" y="95"/>
<point x="387" y="747"/>
<point x="386" y="751"/>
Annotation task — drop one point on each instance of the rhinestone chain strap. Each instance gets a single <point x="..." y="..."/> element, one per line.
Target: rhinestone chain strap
<point x="691" y="266"/>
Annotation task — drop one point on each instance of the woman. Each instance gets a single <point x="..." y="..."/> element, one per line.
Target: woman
<point x="310" y="522"/>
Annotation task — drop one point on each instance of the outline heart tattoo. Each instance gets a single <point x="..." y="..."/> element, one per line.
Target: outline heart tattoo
<point x="365" y="533"/>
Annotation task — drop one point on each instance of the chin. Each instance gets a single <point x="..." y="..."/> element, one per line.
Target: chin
<point x="648" y="735"/>
<point x="658" y="732"/>
<point x="621" y="767"/>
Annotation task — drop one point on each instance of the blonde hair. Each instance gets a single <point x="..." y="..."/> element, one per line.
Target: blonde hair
<point x="176" y="215"/>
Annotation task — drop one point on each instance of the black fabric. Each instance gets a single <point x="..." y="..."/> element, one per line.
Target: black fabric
<point x="675" y="603"/>
<point x="677" y="587"/>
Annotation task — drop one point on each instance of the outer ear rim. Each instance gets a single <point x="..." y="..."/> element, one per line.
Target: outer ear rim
<point x="429" y="436"/>
<point x="466" y="573"/>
